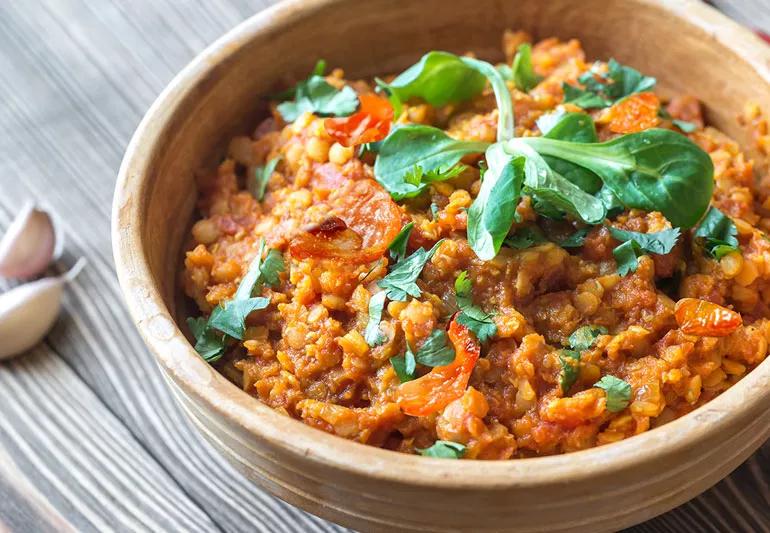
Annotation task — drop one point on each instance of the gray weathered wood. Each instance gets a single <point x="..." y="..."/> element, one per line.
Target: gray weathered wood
<point x="90" y="437"/>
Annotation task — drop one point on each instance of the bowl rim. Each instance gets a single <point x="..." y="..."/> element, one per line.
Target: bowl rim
<point x="730" y="410"/>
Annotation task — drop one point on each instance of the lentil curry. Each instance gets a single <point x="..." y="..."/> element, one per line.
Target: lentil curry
<point x="478" y="261"/>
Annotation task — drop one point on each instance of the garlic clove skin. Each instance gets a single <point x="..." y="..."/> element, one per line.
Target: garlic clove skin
<point x="30" y="244"/>
<point x="29" y="311"/>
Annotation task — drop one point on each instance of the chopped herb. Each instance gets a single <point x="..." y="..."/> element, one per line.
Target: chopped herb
<point x="394" y="100"/>
<point x="316" y="95"/>
<point x="444" y="449"/>
<point x="261" y="178"/>
<point x="718" y="232"/>
<point x="372" y="334"/>
<point x="636" y="244"/>
<point x="472" y="316"/>
<point x="404" y="365"/>
<point x="618" y="392"/>
<point x="525" y="237"/>
<point x="570" y="369"/>
<point x="418" y="176"/>
<point x="523" y="74"/>
<point x="619" y="82"/>
<point x="576" y="240"/>
<point x="398" y="246"/>
<point x="230" y="317"/>
<point x="585" y="337"/>
<point x="434" y="210"/>
<point x="611" y="203"/>
<point x="661" y="242"/>
<point x="208" y="343"/>
<point x="687" y="127"/>
<point x="627" y="257"/>
<point x="400" y="282"/>
<point x="436" y="350"/>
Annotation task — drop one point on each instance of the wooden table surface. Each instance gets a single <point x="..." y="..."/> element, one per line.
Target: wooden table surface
<point x="90" y="436"/>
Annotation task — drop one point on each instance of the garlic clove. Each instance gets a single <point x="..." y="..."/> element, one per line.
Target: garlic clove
<point x="29" y="311"/>
<point x="30" y="244"/>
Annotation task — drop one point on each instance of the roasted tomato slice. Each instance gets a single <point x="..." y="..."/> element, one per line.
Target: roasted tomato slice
<point x="444" y="384"/>
<point x="636" y="113"/>
<point x="361" y="208"/>
<point x="371" y="123"/>
<point x="705" y="319"/>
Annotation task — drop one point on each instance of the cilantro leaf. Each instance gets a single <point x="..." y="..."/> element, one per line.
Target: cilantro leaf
<point x="619" y="82"/>
<point x="585" y="337"/>
<point x="397" y="247"/>
<point x="635" y="244"/>
<point x="570" y="369"/>
<point x="208" y="343"/>
<point x="418" y="177"/>
<point x="400" y="282"/>
<point x="444" y="449"/>
<point x="718" y="232"/>
<point x="525" y="237"/>
<point x="404" y="365"/>
<point x="576" y="240"/>
<point x="372" y="334"/>
<point x="626" y="257"/>
<point x="471" y="316"/>
<point x="436" y="350"/>
<point x="261" y="178"/>
<point x="230" y="317"/>
<point x="522" y="72"/>
<point x="316" y="95"/>
<point x="618" y="392"/>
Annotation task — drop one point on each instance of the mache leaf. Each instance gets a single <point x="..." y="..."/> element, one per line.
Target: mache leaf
<point x="522" y="72"/>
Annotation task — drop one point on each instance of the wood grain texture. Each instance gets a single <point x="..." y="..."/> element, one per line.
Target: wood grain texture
<point x="90" y="437"/>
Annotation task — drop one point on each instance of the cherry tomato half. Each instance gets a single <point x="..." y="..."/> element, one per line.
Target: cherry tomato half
<point x="370" y="124"/>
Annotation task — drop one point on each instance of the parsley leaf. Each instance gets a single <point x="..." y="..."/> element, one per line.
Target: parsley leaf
<point x="398" y="246"/>
<point x="372" y="334"/>
<point x="635" y="244"/>
<point x="261" y="178"/>
<point x="208" y="343"/>
<point x="230" y="317"/>
<point x="444" y="449"/>
<point x="618" y="392"/>
<point x="570" y="369"/>
<point x="718" y="232"/>
<point x="626" y="257"/>
<point x="418" y="177"/>
<point x="619" y="82"/>
<point x="400" y="282"/>
<point x="585" y="337"/>
<point x="471" y="316"/>
<point x="576" y="240"/>
<point x="436" y="350"/>
<point x="316" y="95"/>
<point x="525" y="237"/>
<point x="404" y="365"/>
<point x="522" y="72"/>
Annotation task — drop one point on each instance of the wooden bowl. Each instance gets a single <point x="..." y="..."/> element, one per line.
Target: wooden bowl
<point x="687" y="45"/>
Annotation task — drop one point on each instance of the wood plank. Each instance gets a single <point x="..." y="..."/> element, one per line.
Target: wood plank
<point x="77" y="77"/>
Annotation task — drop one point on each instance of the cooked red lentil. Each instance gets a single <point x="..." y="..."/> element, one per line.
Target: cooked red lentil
<point x="405" y="265"/>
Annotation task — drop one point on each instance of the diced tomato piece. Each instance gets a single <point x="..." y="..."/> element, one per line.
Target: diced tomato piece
<point x="705" y="319"/>
<point x="444" y="384"/>
<point x="367" y="221"/>
<point x="636" y="113"/>
<point x="370" y="124"/>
